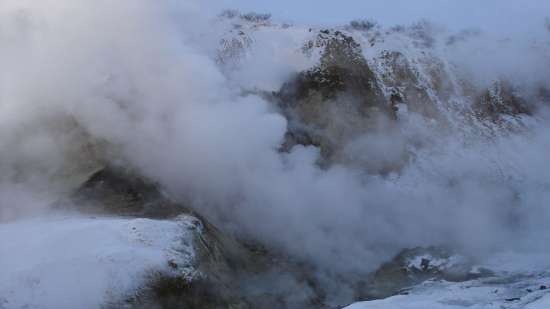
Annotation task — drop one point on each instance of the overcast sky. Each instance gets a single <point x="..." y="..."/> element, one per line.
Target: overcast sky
<point x="513" y="15"/>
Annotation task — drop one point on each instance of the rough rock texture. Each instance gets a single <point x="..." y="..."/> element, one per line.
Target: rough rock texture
<point x="366" y="78"/>
<point x="225" y="273"/>
<point x="337" y="100"/>
<point x="518" y="281"/>
<point x="233" y="275"/>
<point x="341" y="99"/>
<point x="406" y="86"/>
<point x="121" y="192"/>
<point x="413" y="266"/>
<point x="500" y="100"/>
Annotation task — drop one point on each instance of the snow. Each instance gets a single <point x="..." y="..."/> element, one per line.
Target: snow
<point x="475" y="294"/>
<point x="416" y="262"/>
<point x="520" y="282"/>
<point x="77" y="262"/>
<point x="541" y="303"/>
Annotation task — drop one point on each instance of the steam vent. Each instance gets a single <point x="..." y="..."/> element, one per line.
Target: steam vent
<point x="378" y="154"/>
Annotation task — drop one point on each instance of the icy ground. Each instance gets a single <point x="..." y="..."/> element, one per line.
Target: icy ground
<point x="520" y="281"/>
<point x="79" y="262"/>
<point x="84" y="262"/>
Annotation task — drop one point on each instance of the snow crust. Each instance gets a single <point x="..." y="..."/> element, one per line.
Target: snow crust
<point x="77" y="262"/>
<point x="520" y="281"/>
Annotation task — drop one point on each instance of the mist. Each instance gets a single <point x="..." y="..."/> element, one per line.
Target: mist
<point x="137" y="84"/>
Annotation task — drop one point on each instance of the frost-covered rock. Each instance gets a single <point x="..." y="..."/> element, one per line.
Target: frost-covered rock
<point x="414" y="266"/>
<point x="216" y="270"/>
<point x="335" y="101"/>
<point x="518" y="281"/>
<point x="501" y="100"/>
<point x="364" y="71"/>
<point x="120" y="191"/>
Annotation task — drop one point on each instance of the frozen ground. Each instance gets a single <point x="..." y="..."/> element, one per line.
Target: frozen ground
<point x="77" y="262"/>
<point x="520" y="281"/>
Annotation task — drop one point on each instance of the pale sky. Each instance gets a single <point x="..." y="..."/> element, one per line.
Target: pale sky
<point x="512" y="15"/>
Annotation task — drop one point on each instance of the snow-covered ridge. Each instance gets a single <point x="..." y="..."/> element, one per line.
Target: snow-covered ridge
<point x="424" y="64"/>
<point x="86" y="262"/>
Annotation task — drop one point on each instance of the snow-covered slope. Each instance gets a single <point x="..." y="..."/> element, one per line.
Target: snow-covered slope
<point x="82" y="262"/>
<point x="520" y="281"/>
<point x="311" y="155"/>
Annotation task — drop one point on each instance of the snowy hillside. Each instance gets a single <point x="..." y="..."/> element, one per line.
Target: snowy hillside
<point x="520" y="281"/>
<point x="157" y="155"/>
<point x="85" y="262"/>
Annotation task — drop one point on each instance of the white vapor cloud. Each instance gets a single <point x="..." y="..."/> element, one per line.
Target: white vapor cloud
<point x="136" y="81"/>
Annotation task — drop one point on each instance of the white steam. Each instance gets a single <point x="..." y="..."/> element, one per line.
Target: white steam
<point x="136" y="82"/>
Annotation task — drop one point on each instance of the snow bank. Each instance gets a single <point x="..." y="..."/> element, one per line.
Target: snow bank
<point x="523" y="285"/>
<point x="543" y="302"/>
<point x="75" y="262"/>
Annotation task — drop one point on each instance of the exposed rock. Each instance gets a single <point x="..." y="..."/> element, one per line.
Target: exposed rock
<point x="250" y="17"/>
<point x="423" y="34"/>
<point x="121" y="192"/>
<point x="499" y="101"/>
<point x="225" y="272"/>
<point x="405" y="83"/>
<point x="234" y="275"/>
<point x="363" y="24"/>
<point x="413" y="266"/>
<point x="233" y="48"/>
<point x="337" y="100"/>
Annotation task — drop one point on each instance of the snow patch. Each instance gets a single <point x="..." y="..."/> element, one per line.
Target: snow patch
<point x="524" y="287"/>
<point x="76" y="262"/>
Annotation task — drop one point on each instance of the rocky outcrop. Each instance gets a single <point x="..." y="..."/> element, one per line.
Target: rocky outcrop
<point x="225" y="272"/>
<point x="499" y="101"/>
<point x="332" y="105"/>
<point x="335" y="101"/>
<point x="405" y="84"/>
<point x="236" y="42"/>
<point x="413" y="266"/>
<point x="119" y="191"/>
<point x="233" y="275"/>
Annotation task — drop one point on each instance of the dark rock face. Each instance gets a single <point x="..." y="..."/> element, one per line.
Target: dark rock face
<point x="406" y="86"/>
<point x="231" y="273"/>
<point x="337" y="100"/>
<point x="234" y="275"/>
<point x="121" y="192"/>
<point x="501" y="100"/>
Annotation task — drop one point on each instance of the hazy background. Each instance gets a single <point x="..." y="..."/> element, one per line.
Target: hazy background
<point x="519" y="16"/>
<point x="140" y="79"/>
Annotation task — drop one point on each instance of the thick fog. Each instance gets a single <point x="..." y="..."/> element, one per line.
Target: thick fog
<point x="136" y="83"/>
